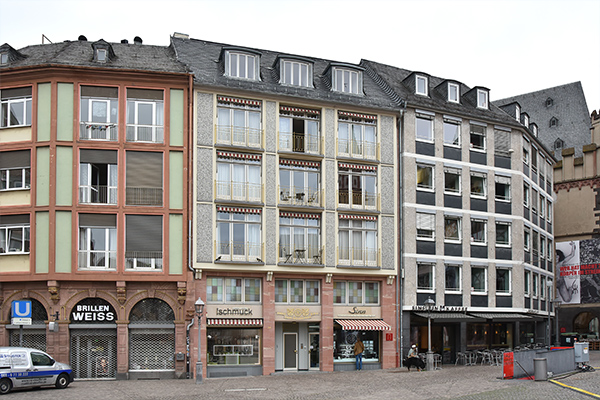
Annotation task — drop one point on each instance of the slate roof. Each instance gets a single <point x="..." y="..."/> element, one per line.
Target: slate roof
<point x="568" y="106"/>
<point x="203" y="58"/>
<point x="80" y="53"/>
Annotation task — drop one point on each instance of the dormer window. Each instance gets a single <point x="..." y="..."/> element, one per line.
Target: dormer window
<point x="101" y="55"/>
<point x="559" y="144"/>
<point x="549" y="102"/>
<point x="525" y="119"/>
<point x="421" y="85"/>
<point x="482" y="98"/>
<point x="534" y="129"/>
<point x="553" y="122"/>
<point x="3" y="58"/>
<point x="242" y="65"/>
<point x="296" y="73"/>
<point x="103" y="52"/>
<point x="347" y="80"/>
<point x="518" y="113"/>
<point x="453" y="93"/>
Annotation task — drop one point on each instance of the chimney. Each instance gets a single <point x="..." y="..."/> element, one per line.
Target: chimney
<point x="137" y="40"/>
<point x="124" y="41"/>
<point x="82" y="38"/>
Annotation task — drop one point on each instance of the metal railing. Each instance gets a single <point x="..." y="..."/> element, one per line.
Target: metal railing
<point x="358" y="200"/>
<point x="97" y="259"/>
<point x="143" y="196"/>
<point x="145" y="133"/>
<point x="238" y="191"/>
<point x="291" y="254"/>
<point x="98" y="131"/>
<point x="300" y="196"/>
<point x="147" y="260"/>
<point x="358" y="149"/>
<point x="299" y="142"/>
<point x="358" y="257"/>
<point x="97" y="194"/>
<point x="239" y="251"/>
<point x="238" y="136"/>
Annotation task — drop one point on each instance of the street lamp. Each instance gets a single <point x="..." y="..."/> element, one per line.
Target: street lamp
<point x="557" y="302"/>
<point x="429" y="303"/>
<point x="549" y="284"/>
<point x="199" y="304"/>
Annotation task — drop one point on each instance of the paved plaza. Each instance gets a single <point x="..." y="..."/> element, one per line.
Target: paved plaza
<point x="451" y="382"/>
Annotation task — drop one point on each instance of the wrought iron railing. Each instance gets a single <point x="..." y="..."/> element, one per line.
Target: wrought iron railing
<point x="145" y="133"/>
<point x="97" y="194"/>
<point x="238" y="136"/>
<point x="98" y="131"/>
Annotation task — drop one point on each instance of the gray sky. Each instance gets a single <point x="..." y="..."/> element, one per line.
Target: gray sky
<point x="510" y="47"/>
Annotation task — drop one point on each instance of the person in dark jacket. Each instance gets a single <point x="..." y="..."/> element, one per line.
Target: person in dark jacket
<point x="359" y="348"/>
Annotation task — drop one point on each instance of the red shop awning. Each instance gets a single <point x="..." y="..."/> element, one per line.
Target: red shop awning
<point x="363" y="324"/>
<point x="234" y="321"/>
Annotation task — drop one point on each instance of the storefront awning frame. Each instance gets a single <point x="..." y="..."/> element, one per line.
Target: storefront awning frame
<point x="226" y="322"/>
<point x="363" y="325"/>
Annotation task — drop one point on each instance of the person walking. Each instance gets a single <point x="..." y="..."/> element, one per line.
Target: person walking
<point x="359" y="347"/>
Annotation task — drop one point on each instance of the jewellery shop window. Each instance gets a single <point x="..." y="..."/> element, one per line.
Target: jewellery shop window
<point x="343" y="345"/>
<point x="233" y="346"/>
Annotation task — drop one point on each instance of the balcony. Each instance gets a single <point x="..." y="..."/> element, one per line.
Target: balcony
<point x="98" y="131"/>
<point x="358" y="257"/>
<point x="239" y="251"/>
<point x="97" y="195"/>
<point x="300" y="196"/>
<point x="143" y="196"/>
<point x="300" y="254"/>
<point x="299" y="143"/>
<point x="238" y="191"/>
<point x="144" y="260"/>
<point x="358" y="200"/>
<point x="145" y="133"/>
<point x="363" y="149"/>
<point x="238" y="136"/>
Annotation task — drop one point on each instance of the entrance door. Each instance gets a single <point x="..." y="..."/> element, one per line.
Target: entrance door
<point x="290" y="351"/>
<point x="313" y="351"/>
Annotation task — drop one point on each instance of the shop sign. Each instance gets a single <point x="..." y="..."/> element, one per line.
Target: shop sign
<point x="356" y="312"/>
<point x="233" y="311"/>
<point x="284" y="313"/>
<point x="441" y="308"/>
<point x="93" y="313"/>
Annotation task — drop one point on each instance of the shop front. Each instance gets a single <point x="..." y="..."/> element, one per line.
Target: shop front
<point x="297" y="337"/>
<point x="33" y="335"/>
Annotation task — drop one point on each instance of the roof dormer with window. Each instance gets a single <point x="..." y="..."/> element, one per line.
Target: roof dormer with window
<point x="534" y="129"/>
<point x="295" y="71"/>
<point x="8" y="55"/>
<point x="346" y="78"/>
<point x="418" y="83"/>
<point x="525" y="119"/>
<point x="479" y="97"/>
<point x="103" y="52"/>
<point x="450" y="90"/>
<point x="241" y="63"/>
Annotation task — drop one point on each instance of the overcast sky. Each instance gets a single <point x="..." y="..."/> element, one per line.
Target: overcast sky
<point x="510" y="47"/>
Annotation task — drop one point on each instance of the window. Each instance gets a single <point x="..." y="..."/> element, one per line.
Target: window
<point x="478" y="231"/>
<point x="357" y="136"/>
<point x="143" y="178"/>
<point x="527" y="283"/>
<point x="559" y="144"/>
<point x="534" y="200"/>
<point x="550" y="252"/>
<point x="101" y="55"/>
<point x="518" y="113"/>
<point x="353" y="292"/>
<point x="553" y="122"/>
<point x="15" y="107"/>
<point x="296" y="291"/>
<point x="452" y="229"/>
<point x="300" y="238"/>
<point x="15" y="171"/>
<point x="97" y="241"/>
<point x="549" y="102"/>
<point x="425" y="276"/>
<point x="451" y="132"/>
<point x="425" y="226"/>
<point x="478" y="279"/>
<point x="14" y="234"/>
<point x="424" y="176"/>
<point x="478" y="184"/>
<point x="482" y="98"/>
<point x="477" y="133"/>
<point x="453" y="278"/>
<point x="239" y="122"/>
<point x="527" y="239"/>
<point x="239" y="177"/>
<point x="549" y="211"/>
<point x="98" y="176"/>
<point x="99" y="113"/>
<point x="145" y="115"/>
<point x="347" y="81"/>
<point x="224" y="344"/>
<point x="502" y="188"/>
<point x="241" y="65"/>
<point x="452" y="180"/>
<point x="526" y="120"/>
<point x="3" y="58"/>
<point x="424" y="127"/>
<point x="233" y="290"/>
<point x="357" y="185"/>
<point x="421" y="85"/>
<point x="526" y="195"/>
<point x="542" y="247"/>
<point x="299" y="182"/>
<point x="503" y="280"/>
<point x="535" y="245"/>
<point x="502" y="145"/>
<point x="357" y="240"/>
<point x="535" y="285"/>
<point x="534" y="159"/>
<point x="534" y="129"/>
<point x="239" y="234"/>
<point x="453" y="93"/>
<point x="296" y="73"/>
<point x="525" y="156"/>
<point x="542" y="206"/>
<point x="543" y="287"/>
<point x="299" y="130"/>
<point x="143" y="242"/>
<point x="503" y="233"/>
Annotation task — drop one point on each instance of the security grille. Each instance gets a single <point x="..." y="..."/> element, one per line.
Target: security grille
<point x="33" y="338"/>
<point x="151" y="349"/>
<point x="94" y="353"/>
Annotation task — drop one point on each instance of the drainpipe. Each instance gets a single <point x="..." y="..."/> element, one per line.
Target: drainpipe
<point x="190" y="183"/>
<point x="400" y="277"/>
<point x="187" y="355"/>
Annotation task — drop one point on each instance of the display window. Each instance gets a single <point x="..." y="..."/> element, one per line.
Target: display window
<point x="233" y="346"/>
<point x="343" y="345"/>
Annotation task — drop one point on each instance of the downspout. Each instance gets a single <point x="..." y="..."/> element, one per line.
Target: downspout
<point x="190" y="185"/>
<point x="400" y="277"/>
<point x="187" y="348"/>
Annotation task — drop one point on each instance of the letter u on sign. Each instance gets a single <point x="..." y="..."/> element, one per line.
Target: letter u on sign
<point x="21" y="309"/>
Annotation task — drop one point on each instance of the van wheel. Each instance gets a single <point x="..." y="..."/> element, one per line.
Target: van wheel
<point x="62" y="381"/>
<point x="5" y="386"/>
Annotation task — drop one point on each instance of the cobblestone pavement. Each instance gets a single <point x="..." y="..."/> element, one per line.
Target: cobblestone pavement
<point x="460" y="382"/>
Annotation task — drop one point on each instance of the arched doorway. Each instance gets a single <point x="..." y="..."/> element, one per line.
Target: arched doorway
<point x="586" y="324"/>
<point x="34" y="335"/>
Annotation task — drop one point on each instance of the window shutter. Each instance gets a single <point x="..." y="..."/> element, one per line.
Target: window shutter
<point x="14" y="219"/>
<point x="502" y="142"/>
<point x="98" y="220"/>
<point x="98" y="156"/>
<point x="143" y="233"/>
<point x="426" y="221"/>
<point x="15" y="159"/>
<point x="503" y="179"/>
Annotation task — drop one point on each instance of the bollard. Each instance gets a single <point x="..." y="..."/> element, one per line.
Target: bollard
<point x="540" y="369"/>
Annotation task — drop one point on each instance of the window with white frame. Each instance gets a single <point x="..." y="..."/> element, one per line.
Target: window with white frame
<point x="97" y="241"/>
<point x="478" y="279"/>
<point x="451" y="132"/>
<point x="542" y="205"/>
<point x="535" y="244"/>
<point x="452" y="180"/>
<point x="534" y="201"/>
<point x="543" y="287"/>
<point x="518" y="113"/>
<point x="527" y="238"/>
<point x="357" y="135"/>
<point x="299" y="130"/>
<point x="478" y="184"/>
<point x="453" y="278"/>
<point x="296" y="291"/>
<point x="424" y="127"/>
<point x="242" y="65"/>
<point x="534" y="159"/>
<point x="300" y="237"/>
<point x="15" y="170"/>
<point x="239" y="234"/>
<point x="525" y="156"/>
<point x="542" y="247"/>
<point x="357" y="240"/>
<point x="143" y="178"/>
<point x="15" y="107"/>
<point x="145" y="115"/>
<point x="502" y="188"/>
<point x="347" y="80"/>
<point x="3" y="58"/>
<point x="239" y="177"/>
<point x="421" y="85"/>
<point x="99" y="113"/>
<point x="549" y="211"/>
<point x="452" y="228"/>
<point x="549" y="168"/>
<point x="355" y="292"/>
<point x="424" y="176"/>
<point x="526" y="120"/>
<point x="535" y="285"/>
<point x="503" y="282"/>
<point x="357" y="186"/>
<point x="239" y="122"/>
<point x="477" y="136"/>
<point x="550" y="252"/>
<point x="143" y="242"/>
<point x="527" y="283"/>
<point x="453" y="93"/>
<point x="503" y="233"/>
<point x="233" y="290"/>
<point x="296" y="73"/>
<point x="526" y="195"/>
<point x="98" y="176"/>
<point x="425" y="276"/>
<point x="425" y="226"/>
<point x="478" y="231"/>
<point x="14" y="234"/>
<point x="482" y="98"/>
<point x="299" y="182"/>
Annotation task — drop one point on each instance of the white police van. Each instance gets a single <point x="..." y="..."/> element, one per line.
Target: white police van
<point x="21" y="367"/>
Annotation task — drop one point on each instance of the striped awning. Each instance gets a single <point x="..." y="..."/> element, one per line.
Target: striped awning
<point x="239" y="210"/>
<point x="299" y="110"/>
<point x="238" y="101"/>
<point x="299" y="163"/>
<point x="234" y="321"/>
<point x="501" y="316"/>
<point x="238" y="155"/>
<point x="356" y="115"/>
<point x="299" y="215"/>
<point x="358" y="166"/>
<point x="360" y="217"/>
<point x="363" y="324"/>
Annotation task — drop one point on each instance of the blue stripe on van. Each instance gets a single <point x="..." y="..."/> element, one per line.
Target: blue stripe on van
<point x="33" y="374"/>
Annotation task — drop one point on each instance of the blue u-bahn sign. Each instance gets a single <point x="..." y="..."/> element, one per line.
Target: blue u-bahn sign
<point x="21" y="312"/>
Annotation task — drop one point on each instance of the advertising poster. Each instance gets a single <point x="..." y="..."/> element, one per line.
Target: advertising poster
<point x="578" y="266"/>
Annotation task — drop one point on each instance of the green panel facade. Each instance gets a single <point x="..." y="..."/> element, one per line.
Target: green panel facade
<point x="42" y="179"/>
<point x="177" y="113"/>
<point x="64" y="117"/>
<point x="44" y="99"/>
<point x="176" y="180"/>
<point x="64" y="176"/>
<point x="175" y="244"/>
<point x="63" y="241"/>
<point x="42" y="237"/>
